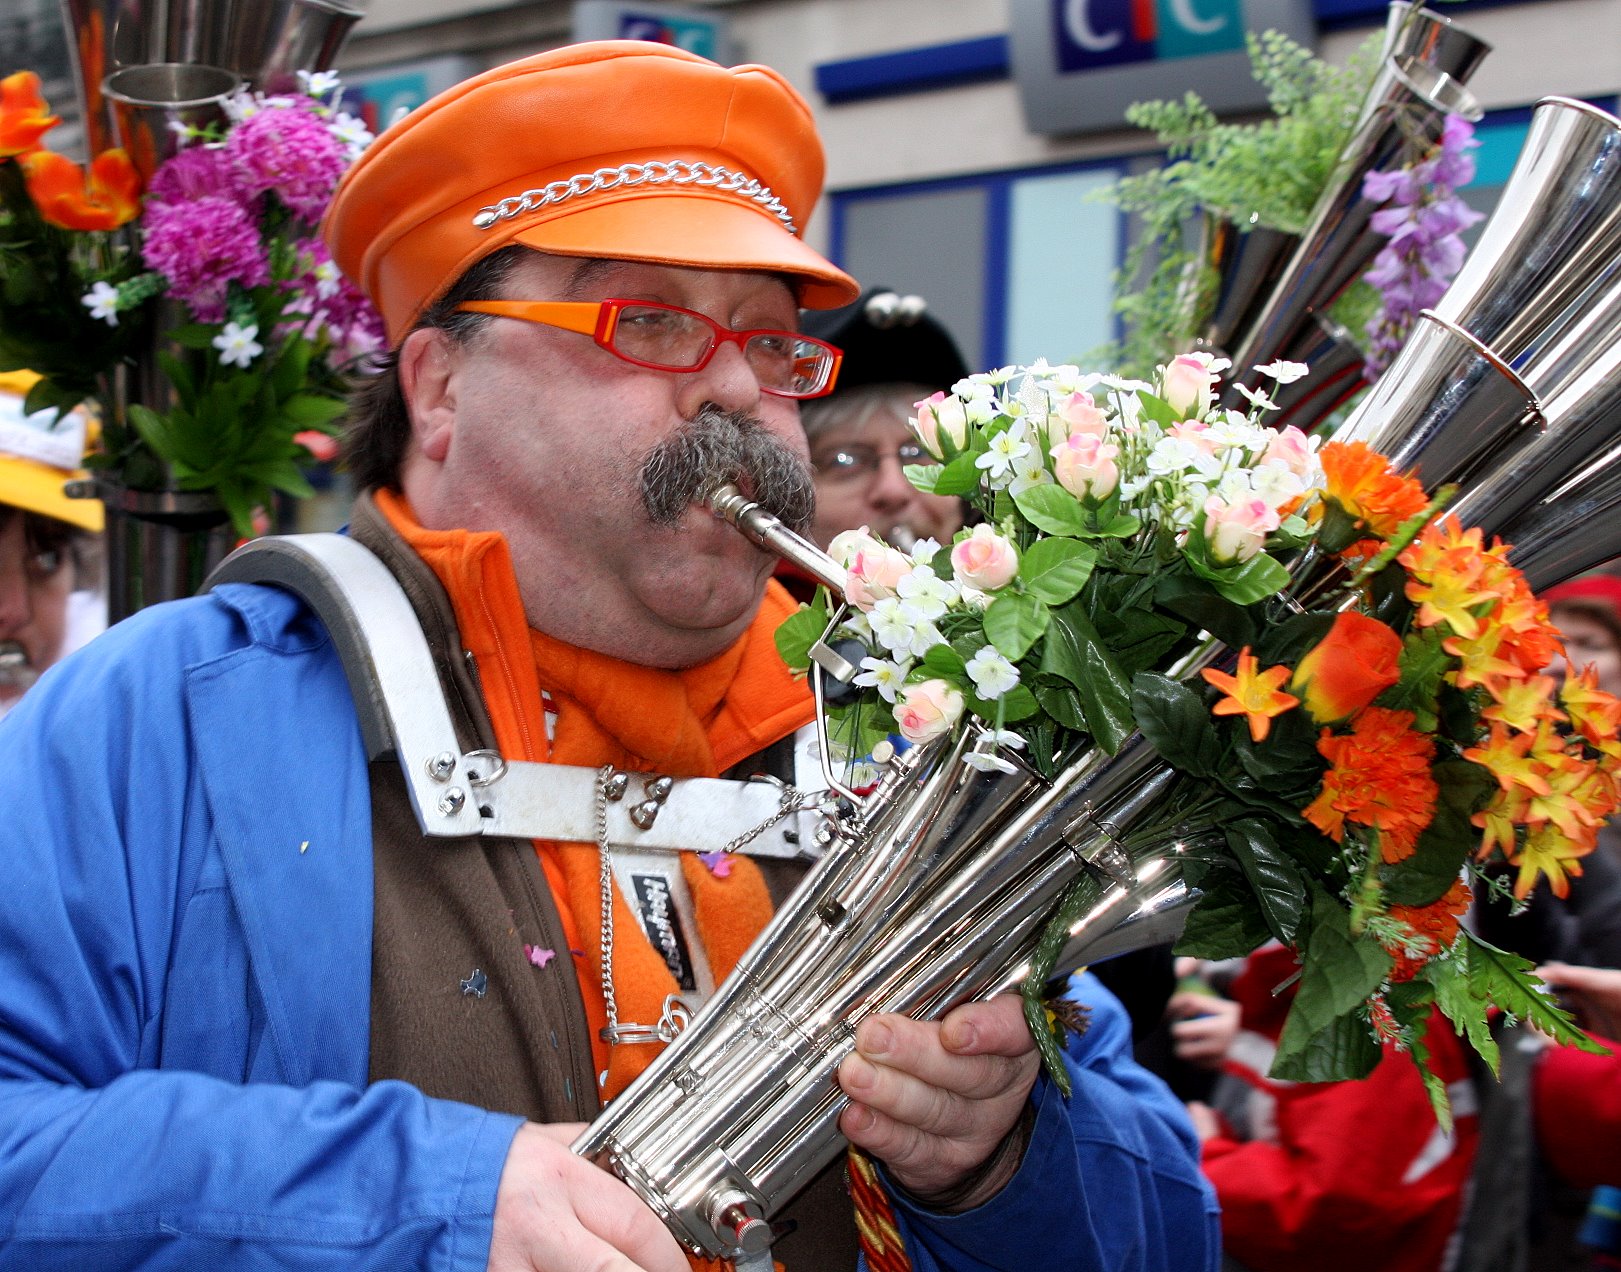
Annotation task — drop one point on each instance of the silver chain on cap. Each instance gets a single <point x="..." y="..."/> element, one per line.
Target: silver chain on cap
<point x="676" y="172"/>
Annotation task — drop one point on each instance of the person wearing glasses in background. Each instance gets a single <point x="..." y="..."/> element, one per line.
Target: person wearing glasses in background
<point x="895" y="354"/>
<point x="254" y="1017"/>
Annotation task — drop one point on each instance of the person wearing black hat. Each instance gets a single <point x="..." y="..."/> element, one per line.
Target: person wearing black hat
<point x="895" y="354"/>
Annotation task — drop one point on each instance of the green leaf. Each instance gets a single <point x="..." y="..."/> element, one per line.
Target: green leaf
<point x="1174" y="718"/>
<point x="1018" y="703"/>
<point x="1015" y="622"/>
<point x="1277" y="882"/>
<point x="1225" y="922"/>
<point x="944" y="661"/>
<point x="1339" y="1050"/>
<point x="923" y="476"/>
<point x="312" y="410"/>
<point x="194" y="335"/>
<point x="1255" y="580"/>
<point x="959" y="477"/>
<point x="1056" y="569"/>
<point x="1478" y="974"/>
<point x="1054" y="510"/>
<point x="799" y="631"/>
<point x="1341" y="971"/>
<point x="1059" y="700"/>
<point x="1074" y="651"/>
<point x="1195" y="600"/>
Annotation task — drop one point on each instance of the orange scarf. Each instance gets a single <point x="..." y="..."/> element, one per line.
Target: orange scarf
<point x="692" y="723"/>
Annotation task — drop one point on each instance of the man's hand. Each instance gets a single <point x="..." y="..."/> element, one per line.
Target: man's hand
<point x="1204" y="1027"/>
<point x="934" y="1100"/>
<point x="555" y="1212"/>
<point x="1592" y="993"/>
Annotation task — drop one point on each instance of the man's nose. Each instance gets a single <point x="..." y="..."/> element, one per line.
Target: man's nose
<point x="727" y="380"/>
<point x="888" y="487"/>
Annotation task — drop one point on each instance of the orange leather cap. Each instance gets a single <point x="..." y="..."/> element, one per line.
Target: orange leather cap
<point x="619" y="149"/>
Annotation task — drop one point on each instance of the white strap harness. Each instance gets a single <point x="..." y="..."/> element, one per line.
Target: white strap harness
<point x="402" y="713"/>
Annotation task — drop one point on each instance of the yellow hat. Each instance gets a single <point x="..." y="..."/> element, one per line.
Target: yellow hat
<point x="621" y="149"/>
<point x="39" y="456"/>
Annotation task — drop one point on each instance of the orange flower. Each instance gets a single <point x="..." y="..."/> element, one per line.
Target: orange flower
<point x="1449" y="578"/>
<point x="1506" y="755"/>
<point x="1254" y="696"/>
<point x="1596" y="713"/>
<point x="1360" y="481"/>
<point x="24" y="116"/>
<point x="1522" y="704"/>
<point x="1348" y="668"/>
<point x="1428" y="929"/>
<point x="1500" y="820"/>
<point x="108" y="198"/>
<point x="1379" y="777"/>
<point x="1547" y="852"/>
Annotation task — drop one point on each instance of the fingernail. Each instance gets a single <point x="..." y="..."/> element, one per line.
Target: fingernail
<point x="859" y="1117"/>
<point x="856" y="1072"/>
<point x="958" y="1036"/>
<point x="878" y="1040"/>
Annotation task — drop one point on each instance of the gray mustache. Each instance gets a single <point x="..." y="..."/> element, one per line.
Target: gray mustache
<point x="726" y="446"/>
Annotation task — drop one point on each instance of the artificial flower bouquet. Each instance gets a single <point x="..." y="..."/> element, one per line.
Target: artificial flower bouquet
<point x="212" y="273"/>
<point x="1348" y="684"/>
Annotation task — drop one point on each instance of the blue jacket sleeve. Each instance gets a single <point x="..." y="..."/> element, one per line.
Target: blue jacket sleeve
<point x="157" y="1110"/>
<point x="1110" y="1181"/>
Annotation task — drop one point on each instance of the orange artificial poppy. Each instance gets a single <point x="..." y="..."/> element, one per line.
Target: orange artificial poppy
<point x="109" y="197"/>
<point x="1359" y="480"/>
<point x="1426" y="930"/>
<point x="24" y="116"/>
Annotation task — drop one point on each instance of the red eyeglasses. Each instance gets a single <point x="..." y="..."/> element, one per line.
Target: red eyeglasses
<point x="668" y="338"/>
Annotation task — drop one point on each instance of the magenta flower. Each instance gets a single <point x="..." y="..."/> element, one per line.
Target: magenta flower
<point x="288" y="152"/>
<point x="195" y="173"/>
<point x="200" y="246"/>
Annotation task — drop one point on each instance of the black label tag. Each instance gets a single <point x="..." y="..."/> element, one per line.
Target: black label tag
<point x="662" y="924"/>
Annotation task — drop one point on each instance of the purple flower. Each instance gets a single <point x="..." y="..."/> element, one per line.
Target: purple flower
<point x="289" y="152"/>
<point x="200" y="246"/>
<point x="1422" y="219"/>
<point x="195" y="173"/>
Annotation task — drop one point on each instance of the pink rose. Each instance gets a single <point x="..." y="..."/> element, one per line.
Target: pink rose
<point x="1079" y="414"/>
<point x="1196" y="434"/>
<point x="872" y="568"/>
<point x="1291" y="449"/>
<point x="1188" y="384"/>
<point x="1236" y="531"/>
<point x="985" y="560"/>
<point x="928" y="710"/>
<point x="1084" y="465"/>
<point x="937" y="414"/>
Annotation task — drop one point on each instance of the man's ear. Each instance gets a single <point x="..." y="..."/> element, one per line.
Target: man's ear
<point x="427" y="370"/>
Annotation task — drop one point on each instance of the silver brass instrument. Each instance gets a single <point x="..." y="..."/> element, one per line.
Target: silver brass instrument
<point x="936" y="885"/>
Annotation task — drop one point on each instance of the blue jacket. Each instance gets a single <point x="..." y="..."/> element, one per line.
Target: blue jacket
<point x="185" y="936"/>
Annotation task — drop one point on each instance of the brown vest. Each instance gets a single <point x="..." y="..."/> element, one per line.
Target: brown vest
<point x="457" y="1008"/>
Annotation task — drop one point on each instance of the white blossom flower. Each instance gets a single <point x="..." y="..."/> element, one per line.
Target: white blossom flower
<point x="1257" y="396"/>
<point x="352" y="132"/>
<point x="926" y="594"/>
<point x="238" y="345"/>
<point x="924" y="549"/>
<point x="102" y="302"/>
<point x="1284" y="371"/>
<point x="318" y="83"/>
<point x="992" y="674"/>
<point x="989" y="762"/>
<point x="901" y="629"/>
<point x="1005" y="448"/>
<point x="1029" y="471"/>
<point x="886" y="675"/>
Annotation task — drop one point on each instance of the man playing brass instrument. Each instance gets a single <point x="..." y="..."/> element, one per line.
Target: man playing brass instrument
<point x="252" y="1016"/>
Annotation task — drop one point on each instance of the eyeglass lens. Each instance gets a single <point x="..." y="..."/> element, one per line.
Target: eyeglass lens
<point x="679" y="340"/>
<point x="857" y="459"/>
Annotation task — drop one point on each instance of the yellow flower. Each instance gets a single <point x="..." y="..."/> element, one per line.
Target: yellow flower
<point x="1448" y="577"/>
<point x="1499" y="821"/>
<point x="1547" y="852"/>
<point x="1596" y="713"/>
<point x="1254" y="696"/>
<point x="1522" y="704"/>
<point x="1506" y="756"/>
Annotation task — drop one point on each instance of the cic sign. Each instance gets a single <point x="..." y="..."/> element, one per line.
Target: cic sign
<point x="1080" y="63"/>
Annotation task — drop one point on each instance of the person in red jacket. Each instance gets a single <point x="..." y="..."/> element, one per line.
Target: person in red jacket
<point x="1327" y="1176"/>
